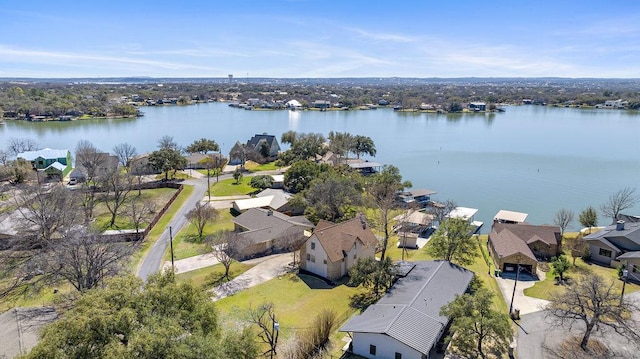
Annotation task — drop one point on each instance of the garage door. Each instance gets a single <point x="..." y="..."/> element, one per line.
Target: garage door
<point x="511" y="268"/>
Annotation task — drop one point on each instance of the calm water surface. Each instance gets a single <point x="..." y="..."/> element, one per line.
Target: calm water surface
<point x="530" y="159"/>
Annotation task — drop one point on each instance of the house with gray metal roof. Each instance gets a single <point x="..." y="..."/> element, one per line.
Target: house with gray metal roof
<point x="406" y="322"/>
<point x="55" y="163"/>
<point x="615" y="244"/>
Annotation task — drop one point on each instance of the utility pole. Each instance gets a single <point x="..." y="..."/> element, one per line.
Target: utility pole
<point x="625" y="277"/>
<point x="513" y="295"/>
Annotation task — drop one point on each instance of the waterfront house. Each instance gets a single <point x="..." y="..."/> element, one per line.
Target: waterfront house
<point x="512" y="245"/>
<point x="411" y="225"/>
<point x="102" y="161"/>
<point x="616" y="244"/>
<point x="321" y="104"/>
<point x="416" y="197"/>
<point x="55" y="163"/>
<point x="467" y="214"/>
<point x="406" y="323"/>
<point x="477" y="106"/>
<point x="259" y="146"/>
<point x="263" y="231"/>
<point x="334" y="248"/>
<point x="270" y="198"/>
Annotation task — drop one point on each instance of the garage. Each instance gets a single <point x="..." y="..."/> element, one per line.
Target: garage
<point x="511" y="268"/>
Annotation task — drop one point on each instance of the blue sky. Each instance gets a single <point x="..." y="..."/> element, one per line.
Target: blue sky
<point x="320" y="38"/>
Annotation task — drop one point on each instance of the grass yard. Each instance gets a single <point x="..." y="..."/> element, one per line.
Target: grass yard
<point x="35" y="296"/>
<point x="229" y="187"/>
<point x="546" y="289"/>
<point x="187" y="244"/>
<point x="256" y="167"/>
<point x="209" y="277"/>
<point x="297" y="299"/>
<point x="159" y="196"/>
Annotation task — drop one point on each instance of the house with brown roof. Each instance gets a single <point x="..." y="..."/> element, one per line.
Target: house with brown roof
<point x="264" y="231"/>
<point x="334" y="248"/>
<point x="512" y="245"/>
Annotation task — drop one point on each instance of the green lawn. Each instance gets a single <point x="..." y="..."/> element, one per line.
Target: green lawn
<point x="256" y="167"/>
<point x="297" y="299"/>
<point x="187" y="244"/>
<point x="209" y="277"/>
<point x="547" y="288"/>
<point x="229" y="187"/>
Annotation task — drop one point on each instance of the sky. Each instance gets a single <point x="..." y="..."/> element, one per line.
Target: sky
<point x="319" y="38"/>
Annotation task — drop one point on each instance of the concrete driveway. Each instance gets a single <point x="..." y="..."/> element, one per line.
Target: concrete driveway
<point x="266" y="268"/>
<point x="522" y="302"/>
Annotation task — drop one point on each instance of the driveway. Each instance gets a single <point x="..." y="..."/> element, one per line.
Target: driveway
<point x="520" y="301"/>
<point x="266" y="268"/>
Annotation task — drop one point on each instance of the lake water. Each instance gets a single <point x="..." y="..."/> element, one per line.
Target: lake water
<point x="529" y="159"/>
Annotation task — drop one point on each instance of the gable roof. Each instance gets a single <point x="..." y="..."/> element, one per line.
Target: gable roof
<point x="57" y="165"/>
<point x="530" y="233"/>
<point x="259" y="218"/>
<point x="337" y="238"/>
<point x="46" y="153"/>
<point x="506" y="243"/>
<point x="256" y="139"/>
<point x="410" y="312"/>
<point x="462" y="212"/>
<point x="630" y="231"/>
<point x="274" y="198"/>
<point x="504" y="215"/>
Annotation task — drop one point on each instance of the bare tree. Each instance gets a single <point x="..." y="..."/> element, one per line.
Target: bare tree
<point x="140" y="211"/>
<point x="167" y="142"/>
<point x="563" y="219"/>
<point x="93" y="162"/>
<point x="84" y="259"/>
<point x="225" y="248"/>
<point x="596" y="304"/>
<point x="623" y="199"/>
<point x="18" y="145"/>
<point x="116" y="186"/>
<point x="577" y="247"/>
<point x="201" y="215"/>
<point x="440" y="210"/>
<point x="125" y="153"/>
<point x="45" y="214"/>
<point x="264" y="318"/>
<point x="4" y="157"/>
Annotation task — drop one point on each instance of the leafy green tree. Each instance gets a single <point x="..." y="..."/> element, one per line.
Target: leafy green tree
<point x="332" y="197"/>
<point x="453" y="242"/>
<point x="203" y="146"/>
<point x="261" y="182"/>
<point x="383" y="189"/>
<point x="341" y="143"/>
<point x="167" y="159"/>
<point x="237" y="175"/>
<point x="130" y="318"/>
<point x="299" y="176"/>
<point x="589" y="218"/>
<point x="455" y="107"/>
<point x="305" y="146"/>
<point x="373" y="274"/>
<point x="477" y="328"/>
<point x="363" y="145"/>
<point x="560" y="265"/>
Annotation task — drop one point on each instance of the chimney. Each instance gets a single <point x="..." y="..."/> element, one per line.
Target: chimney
<point x="363" y="221"/>
<point x="269" y="213"/>
<point x="620" y="226"/>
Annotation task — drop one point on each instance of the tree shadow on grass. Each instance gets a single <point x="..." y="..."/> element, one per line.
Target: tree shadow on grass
<point x="193" y="238"/>
<point x="570" y="349"/>
<point x="362" y="301"/>
<point x="312" y="282"/>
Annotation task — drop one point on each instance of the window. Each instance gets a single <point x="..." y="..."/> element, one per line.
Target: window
<point x="398" y="355"/>
<point x="313" y="259"/>
<point x="324" y="261"/>
<point x="372" y="349"/>
<point x="605" y="252"/>
<point x="355" y="255"/>
<point x="313" y="245"/>
<point x="308" y="256"/>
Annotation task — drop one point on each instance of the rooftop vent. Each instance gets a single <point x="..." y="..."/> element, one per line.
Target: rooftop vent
<point x="620" y="226"/>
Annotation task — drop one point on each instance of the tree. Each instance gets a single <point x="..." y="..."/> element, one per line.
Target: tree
<point x="577" y="247"/>
<point x="332" y="197"/>
<point x="203" y="146"/>
<point x="19" y="145"/>
<point x="596" y="304"/>
<point x="125" y="153"/>
<point x="588" y="218"/>
<point x="341" y="143"/>
<point x="19" y="171"/>
<point x="116" y="186"/>
<point x="373" y="274"/>
<point x="261" y="182"/>
<point x="288" y="137"/>
<point x="477" y="328"/>
<point x="299" y="176"/>
<point x="453" y="242"/>
<point x="623" y="199"/>
<point x="264" y="318"/>
<point x="439" y="211"/>
<point x="85" y="259"/>
<point x="167" y="159"/>
<point x="95" y="165"/>
<point x="455" y="107"/>
<point x="167" y="142"/>
<point x="563" y="219"/>
<point x="140" y="211"/>
<point x="201" y="215"/>
<point x="560" y="266"/>
<point x="237" y="175"/>
<point x="383" y="188"/>
<point x="225" y="248"/>
<point x="304" y="146"/>
<point x="130" y="318"/>
<point x="363" y="145"/>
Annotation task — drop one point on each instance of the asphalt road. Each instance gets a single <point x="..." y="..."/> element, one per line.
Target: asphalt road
<point x="152" y="262"/>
